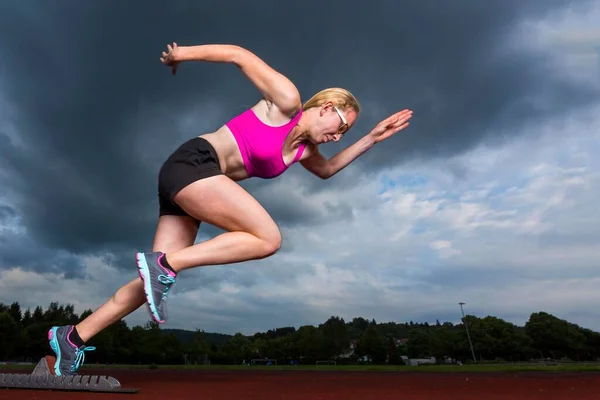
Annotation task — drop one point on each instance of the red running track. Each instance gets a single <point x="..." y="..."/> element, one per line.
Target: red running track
<point x="331" y="385"/>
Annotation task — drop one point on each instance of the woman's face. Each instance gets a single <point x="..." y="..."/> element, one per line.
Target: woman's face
<point x="330" y="123"/>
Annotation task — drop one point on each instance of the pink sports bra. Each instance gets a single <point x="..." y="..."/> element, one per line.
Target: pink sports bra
<point x="261" y="145"/>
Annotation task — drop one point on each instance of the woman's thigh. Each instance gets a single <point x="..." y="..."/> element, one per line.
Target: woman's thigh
<point x="221" y="202"/>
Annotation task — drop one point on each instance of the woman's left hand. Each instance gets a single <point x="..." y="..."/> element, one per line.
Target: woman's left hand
<point x="389" y="126"/>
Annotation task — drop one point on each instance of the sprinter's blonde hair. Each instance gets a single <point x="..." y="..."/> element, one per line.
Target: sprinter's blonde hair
<point x="341" y="98"/>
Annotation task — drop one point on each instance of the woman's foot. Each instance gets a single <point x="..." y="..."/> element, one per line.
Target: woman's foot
<point x="157" y="282"/>
<point x="69" y="349"/>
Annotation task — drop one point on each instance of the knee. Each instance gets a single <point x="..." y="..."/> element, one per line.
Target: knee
<point x="272" y="243"/>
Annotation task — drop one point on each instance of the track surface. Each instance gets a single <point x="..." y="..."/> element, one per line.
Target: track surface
<point x="332" y="385"/>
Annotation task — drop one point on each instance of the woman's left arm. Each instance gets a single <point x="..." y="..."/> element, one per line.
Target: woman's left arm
<point x="325" y="168"/>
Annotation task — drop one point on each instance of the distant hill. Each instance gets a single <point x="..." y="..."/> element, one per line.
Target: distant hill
<point x="186" y="336"/>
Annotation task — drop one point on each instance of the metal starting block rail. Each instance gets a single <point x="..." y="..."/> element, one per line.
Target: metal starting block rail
<point x="43" y="378"/>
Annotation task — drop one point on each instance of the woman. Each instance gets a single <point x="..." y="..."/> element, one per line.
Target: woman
<point x="198" y="183"/>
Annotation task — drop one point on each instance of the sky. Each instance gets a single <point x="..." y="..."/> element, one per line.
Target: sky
<point x="488" y="198"/>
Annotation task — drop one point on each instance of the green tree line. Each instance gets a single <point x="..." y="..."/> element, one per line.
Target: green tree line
<point x="23" y="336"/>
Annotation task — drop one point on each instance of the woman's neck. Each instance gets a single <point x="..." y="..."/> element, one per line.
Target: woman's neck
<point x="299" y="133"/>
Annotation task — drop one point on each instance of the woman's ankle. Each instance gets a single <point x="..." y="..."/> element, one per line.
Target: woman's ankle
<point x="162" y="260"/>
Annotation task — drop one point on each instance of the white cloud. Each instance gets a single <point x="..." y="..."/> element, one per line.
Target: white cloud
<point x="518" y="216"/>
<point x="100" y="282"/>
<point x="572" y="36"/>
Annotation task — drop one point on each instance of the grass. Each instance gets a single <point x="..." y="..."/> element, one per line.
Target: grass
<point x="474" y="368"/>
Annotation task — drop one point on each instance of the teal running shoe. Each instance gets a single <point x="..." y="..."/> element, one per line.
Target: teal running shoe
<point x="157" y="282"/>
<point x="69" y="357"/>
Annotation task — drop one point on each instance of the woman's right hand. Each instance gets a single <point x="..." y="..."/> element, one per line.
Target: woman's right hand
<point x="172" y="58"/>
<point x="390" y="125"/>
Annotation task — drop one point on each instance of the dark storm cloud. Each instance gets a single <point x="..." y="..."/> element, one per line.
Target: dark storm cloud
<point x="7" y="213"/>
<point x="95" y="102"/>
<point x="17" y="251"/>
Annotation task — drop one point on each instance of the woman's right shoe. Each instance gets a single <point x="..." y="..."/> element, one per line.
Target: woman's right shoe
<point x="157" y="282"/>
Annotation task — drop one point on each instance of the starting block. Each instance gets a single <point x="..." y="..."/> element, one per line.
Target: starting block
<point x="43" y="378"/>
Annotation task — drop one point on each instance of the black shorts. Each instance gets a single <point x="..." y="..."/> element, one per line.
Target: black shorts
<point x="194" y="160"/>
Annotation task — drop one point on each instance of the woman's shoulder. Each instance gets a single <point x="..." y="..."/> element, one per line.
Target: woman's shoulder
<point x="271" y="115"/>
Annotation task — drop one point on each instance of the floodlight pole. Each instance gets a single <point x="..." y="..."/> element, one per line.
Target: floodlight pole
<point x="467" y="329"/>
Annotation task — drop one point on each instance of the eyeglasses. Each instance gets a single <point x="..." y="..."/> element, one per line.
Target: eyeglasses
<point x="344" y="126"/>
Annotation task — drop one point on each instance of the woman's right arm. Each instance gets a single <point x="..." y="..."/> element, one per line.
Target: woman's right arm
<point x="276" y="88"/>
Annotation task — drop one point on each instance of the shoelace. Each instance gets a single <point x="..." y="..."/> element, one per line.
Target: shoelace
<point x="80" y="357"/>
<point x="166" y="280"/>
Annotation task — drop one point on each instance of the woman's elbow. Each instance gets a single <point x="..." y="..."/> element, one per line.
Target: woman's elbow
<point x="325" y="174"/>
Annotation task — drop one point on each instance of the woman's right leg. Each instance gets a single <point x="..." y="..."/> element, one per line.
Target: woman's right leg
<point x="250" y="234"/>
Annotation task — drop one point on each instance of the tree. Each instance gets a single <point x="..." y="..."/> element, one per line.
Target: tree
<point x="445" y="341"/>
<point x="335" y="337"/>
<point x="556" y="338"/>
<point x="419" y="343"/>
<point x="357" y="327"/>
<point x="15" y="312"/>
<point x="9" y="335"/>
<point x="393" y="355"/>
<point x="238" y="348"/>
<point x="372" y="345"/>
<point x="24" y="335"/>
<point x="308" y="342"/>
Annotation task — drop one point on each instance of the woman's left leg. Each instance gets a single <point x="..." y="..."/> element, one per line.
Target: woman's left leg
<point x="174" y="232"/>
